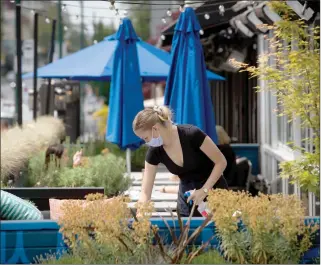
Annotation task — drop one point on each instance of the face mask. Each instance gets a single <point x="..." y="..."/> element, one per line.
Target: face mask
<point x="155" y="142"/>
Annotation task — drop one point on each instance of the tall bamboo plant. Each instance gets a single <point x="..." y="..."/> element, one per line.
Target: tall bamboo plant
<point x="294" y="79"/>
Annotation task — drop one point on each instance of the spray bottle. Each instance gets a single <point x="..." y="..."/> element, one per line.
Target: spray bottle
<point x="202" y="207"/>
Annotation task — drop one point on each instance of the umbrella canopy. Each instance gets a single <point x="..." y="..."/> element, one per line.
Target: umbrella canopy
<point x="96" y="63"/>
<point x="187" y="90"/>
<point x="126" y="95"/>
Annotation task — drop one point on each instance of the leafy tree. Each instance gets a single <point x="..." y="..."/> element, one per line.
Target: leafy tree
<point x="100" y="32"/>
<point x="72" y="37"/>
<point x="45" y="29"/>
<point x="295" y="82"/>
<point x="140" y="18"/>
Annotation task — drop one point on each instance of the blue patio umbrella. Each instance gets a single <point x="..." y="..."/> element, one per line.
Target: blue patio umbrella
<point x="96" y="63"/>
<point x="187" y="90"/>
<point x="126" y="95"/>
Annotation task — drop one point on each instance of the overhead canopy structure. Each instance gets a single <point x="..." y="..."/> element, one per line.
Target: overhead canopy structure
<point x="216" y="15"/>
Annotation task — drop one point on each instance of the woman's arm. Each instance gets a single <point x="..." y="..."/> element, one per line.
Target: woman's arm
<point x="211" y="150"/>
<point x="169" y="189"/>
<point x="148" y="182"/>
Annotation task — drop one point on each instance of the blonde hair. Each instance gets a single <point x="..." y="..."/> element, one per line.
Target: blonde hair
<point x="147" y="118"/>
<point x="222" y="136"/>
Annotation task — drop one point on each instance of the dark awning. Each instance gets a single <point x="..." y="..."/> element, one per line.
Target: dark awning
<point x="212" y="21"/>
<point x="215" y="20"/>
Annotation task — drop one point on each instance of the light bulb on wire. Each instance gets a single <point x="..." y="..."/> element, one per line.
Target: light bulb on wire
<point x="95" y="41"/>
<point x="164" y="20"/>
<point x="163" y="37"/>
<point x="32" y="12"/>
<point x="47" y="20"/>
<point x="169" y="12"/>
<point x="125" y="13"/>
<point x="65" y="28"/>
<point x="112" y="5"/>
<point x="201" y="32"/>
<point x="116" y="12"/>
<point x="64" y="8"/>
<point x="221" y="9"/>
<point x="207" y="16"/>
<point x="12" y="1"/>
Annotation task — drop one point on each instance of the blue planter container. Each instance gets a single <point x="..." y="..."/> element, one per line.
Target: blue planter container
<point x="21" y="242"/>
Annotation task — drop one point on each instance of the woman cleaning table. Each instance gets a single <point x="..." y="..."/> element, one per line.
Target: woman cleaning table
<point x="185" y="150"/>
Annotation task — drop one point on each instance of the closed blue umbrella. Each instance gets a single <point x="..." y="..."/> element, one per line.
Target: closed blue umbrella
<point x="187" y="90"/>
<point x="126" y="95"/>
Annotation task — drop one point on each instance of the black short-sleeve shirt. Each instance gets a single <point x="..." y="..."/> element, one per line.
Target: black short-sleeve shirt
<point x="197" y="166"/>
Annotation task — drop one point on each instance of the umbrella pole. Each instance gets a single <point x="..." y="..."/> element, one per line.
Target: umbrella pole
<point x="35" y="67"/>
<point x="128" y="161"/>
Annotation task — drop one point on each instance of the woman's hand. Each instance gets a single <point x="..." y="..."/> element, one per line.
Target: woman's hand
<point x="197" y="197"/>
<point x="160" y="189"/>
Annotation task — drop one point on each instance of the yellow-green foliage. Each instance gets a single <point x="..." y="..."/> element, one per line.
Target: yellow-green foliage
<point x="97" y="231"/>
<point x="295" y="81"/>
<point x="271" y="224"/>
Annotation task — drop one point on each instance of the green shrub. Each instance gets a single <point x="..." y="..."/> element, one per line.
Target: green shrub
<point x="65" y="258"/>
<point x="37" y="175"/>
<point x="100" y="171"/>
<point x="138" y="158"/>
<point x="210" y="257"/>
<point x="93" y="148"/>
<point x="105" y="254"/>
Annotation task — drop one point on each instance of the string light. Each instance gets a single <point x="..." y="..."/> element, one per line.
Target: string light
<point x="164" y="20"/>
<point x="201" y="32"/>
<point x="32" y="12"/>
<point x="64" y="8"/>
<point x="112" y="5"/>
<point x="145" y="4"/>
<point x="12" y="1"/>
<point x="207" y="16"/>
<point x="169" y="12"/>
<point x="44" y="13"/>
<point x="65" y="28"/>
<point x="221" y="9"/>
<point x="95" y="41"/>
<point x="163" y="37"/>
